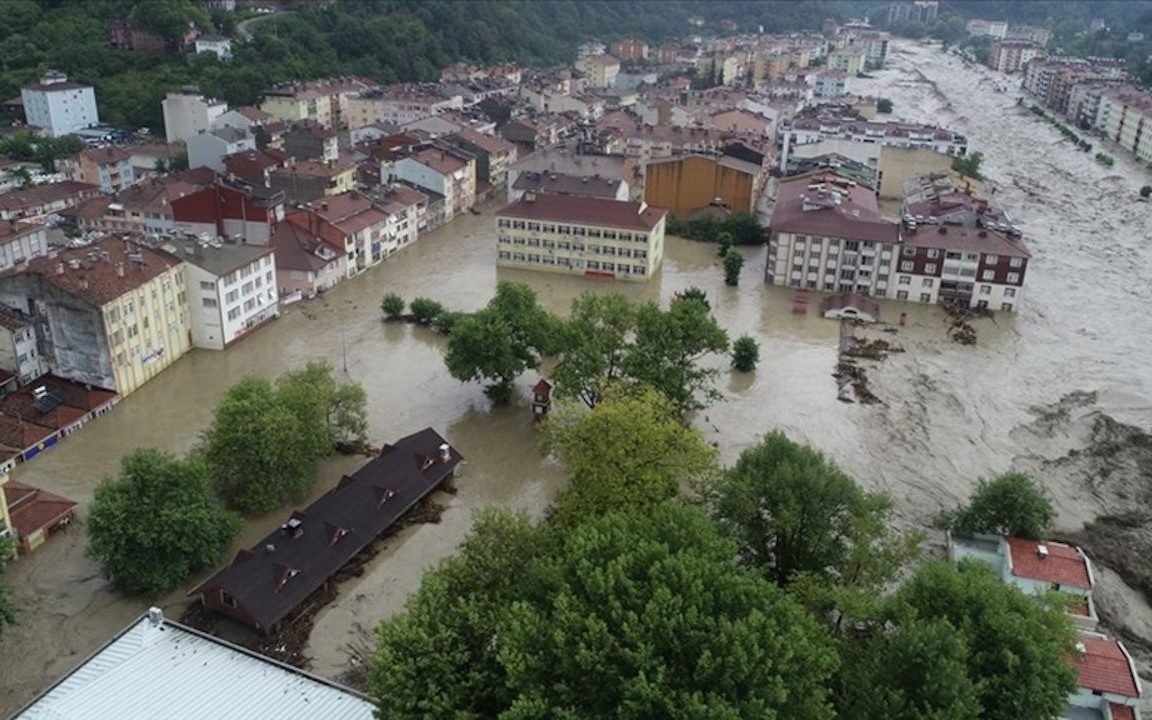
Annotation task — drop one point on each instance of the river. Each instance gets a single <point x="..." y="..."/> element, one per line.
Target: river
<point x="949" y="413"/>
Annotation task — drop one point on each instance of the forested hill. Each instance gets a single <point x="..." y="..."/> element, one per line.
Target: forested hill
<point x="395" y="40"/>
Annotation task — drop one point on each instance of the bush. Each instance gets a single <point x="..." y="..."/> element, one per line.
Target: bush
<point x="392" y="305"/>
<point x="446" y="320"/>
<point x="884" y="106"/>
<point x="733" y="263"/>
<point x="1105" y="159"/>
<point x="745" y="353"/>
<point x="1146" y="191"/>
<point x="425" y="310"/>
<point x="743" y="228"/>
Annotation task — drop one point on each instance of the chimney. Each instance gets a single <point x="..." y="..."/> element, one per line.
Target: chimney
<point x="1042" y="550"/>
<point x="155" y="616"/>
<point x="119" y="269"/>
<point x="445" y="453"/>
<point x="60" y="268"/>
<point x="84" y="283"/>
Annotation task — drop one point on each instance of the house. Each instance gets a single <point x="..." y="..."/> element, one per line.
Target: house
<point x="116" y="311"/>
<point x="600" y="71"/>
<point x="35" y="514"/>
<point x="35" y="417"/>
<point x="305" y="264"/>
<point x="219" y="46"/>
<point x="18" y="346"/>
<point x="308" y="180"/>
<point x="493" y="155"/>
<point x="244" y="118"/>
<point x="593" y="186"/>
<point x="209" y="148"/>
<point x="43" y="201"/>
<point x="630" y="49"/>
<point x="1108" y="685"/>
<point x="109" y="167"/>
<point x="352" y="225"/>
<point x="58" y="106"/>
<point x="443" y="169"/>
<point x="188" y="113"/>
<point x="21" y="241"/>
<point x="579" y="235"/>
<point x="182" y="667"/>
<point x="850" y="306"/>
<point x="231" y="288"/>
<point x="142" y="209"/>
<point x="227" y="208"/>
<point x="255" y="166"/>
<point x="311" y="141"/>
<point x="263" y="586"/>
<point x="685" y="183"/>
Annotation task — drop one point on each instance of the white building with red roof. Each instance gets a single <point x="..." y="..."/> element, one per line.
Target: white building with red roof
<point x="1108" y="685"/>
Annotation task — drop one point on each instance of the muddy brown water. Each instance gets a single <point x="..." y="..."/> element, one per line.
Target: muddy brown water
<point x="949" y="415"/>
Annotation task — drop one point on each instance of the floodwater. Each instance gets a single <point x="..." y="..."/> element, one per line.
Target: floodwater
<point x="949" y="413"/>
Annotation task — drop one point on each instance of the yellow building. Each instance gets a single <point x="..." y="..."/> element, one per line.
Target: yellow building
<point x="581" y="236"/>
<point x="296" y="103"/>
<point x="116" y="312"/>
<point x="850" y="60"/>
<point x="600" y="71"/>
<point x="683" y="184"/>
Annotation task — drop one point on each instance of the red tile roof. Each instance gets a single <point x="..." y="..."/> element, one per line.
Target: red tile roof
<point x="1104" y="666"/>
<point x="1121" y="712"/>
<point x="966" y="239"/>
<point x="856" y="216"/>
<point x="20" y="434"/>
<point x="1064" y="564"/>
<point x="585" y="210"/>
<point x="33" y="509"/>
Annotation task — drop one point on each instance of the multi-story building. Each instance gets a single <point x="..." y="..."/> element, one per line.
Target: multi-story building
<point x="311" y="141"/>
<point x="551" y="183"/>
<point x="493" y="155"/>
<point x="58" y="106"/>
<point x="400" y="104"/>
<point x="924" y="11"/>
<point x="305" y="264"/>
<point x="1012" y="55"/>
<point x="1051" y="79"/>
<point x="224" y="208"/>
<point x="686" y="183"/>
<point x="827" y="234"/>
<point x="600" y="71"/>
<point x="188" y="113"/>
<point x="219" y="46"/>
<point x="44" y="201"/>
<point x="350" y="224"/>
<point x="309" y="180"/>
<point x="991" y="28"/>
<point x="1125" y="117"/>
<point x="875" y="45"/>
<point x="208" y="149"/>
<point x="832" y="84"/>
<point x="293" y="103"/>
<point x="231" y="288"/>
<point x="581" y="236"/>
<point x="109" y="167"/>
<point x="630" y="49"/>
<point x="849" y="60"/>
<point x="20" y="242"/>
<point x="112" y="314"/>
<point x="443" y="169"/>
<point x="832" y="122"/>
<point x="590" y="48"/>
<point x="19" y="353"/>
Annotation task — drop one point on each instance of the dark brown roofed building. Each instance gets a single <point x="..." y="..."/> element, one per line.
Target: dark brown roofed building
<point x="267" y="583"/>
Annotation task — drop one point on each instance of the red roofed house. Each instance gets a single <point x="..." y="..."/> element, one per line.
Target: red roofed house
<point x="1109" y="686"/>
<point x="305" y="264"/>
<point x="443" y="169"/>
<point x="593" y="237"/>
<point x="351" y="225"/>
<point x="33" y="514"/>
<point x="1035" y="567"/>
<point x="109" y="167"/>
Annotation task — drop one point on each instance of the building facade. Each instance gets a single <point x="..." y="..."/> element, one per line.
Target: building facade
<point x="1011" y="56"/>
<point x="232" y="290"/>
<point x="189" y="113"/>
<point x="581" y="236"/>
<point x="20" y="242"/>
<point x="58" y="106"/>
<point x="109" y="167"/>
<point x="18" y="346"/>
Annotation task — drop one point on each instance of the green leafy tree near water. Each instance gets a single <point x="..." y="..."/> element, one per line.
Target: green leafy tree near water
<point x="745" y="353"/>
<point x="595" y="340"/>
<point x="969" y="165"/>
<point x="1011" y="504"/>
<point x="156" y="522"/>
<point x="733" y="264"/>
<point x="7" y="602"/>
<point x="637" y="612"/>
<point x="392" y="305"/>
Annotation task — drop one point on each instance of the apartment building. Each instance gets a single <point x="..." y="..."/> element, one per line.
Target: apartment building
<point x="232" y="290"/>
<point x="1051" y="79"/>
<point x="924" y="11"/>
<point x="600" y="71"/>
<point x="58" y="106"/>
<point x="493" y="155"/>
<point x="309" y="180"/>
<point x="1125" y="117"/>
<point x="18" y="346"/>
<point x="113" y="314"/>
<point x="842" y="122"/>
<point x="443" y="169"/>
<point x="1012" y="55"/>
<point x="630" y="49"/>
<point x="400" y="104"/>
<point x="189" y="113"/>
<point x="321" y="101"/>
<point x="20" y="242"/>
<point x="827" y="234"/>
<point x="351" y="224"/>
<point x="208" y="149"/>
<point x="581" y="236"/>
<point x="109" y="167"/>
<point x="849" y="60"/>
<point x="223" y="208"/>
<point x="992" y="28"/>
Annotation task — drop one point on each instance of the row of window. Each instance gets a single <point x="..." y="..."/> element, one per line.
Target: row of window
<point x="801" y="242"/>
<point x="575" y="246"/>
<point x="573" y="263"/>
<point x="576" y="230"/>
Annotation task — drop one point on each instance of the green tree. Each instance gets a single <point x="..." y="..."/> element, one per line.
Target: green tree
<point x="733" y="263"/>
<point x="668" y="348"/>
<point x="508" y="336"/>
<point x="332" y="412"/>
<point x="1011" y="504"/>
<point x="726" y="242"/>
<point x="641" y="614"/>
<point x="913" y="671"/>
<point x="254" y="449"/>
<point x="631" y="450"/>
<point x="695" y="293"/>
<point x="446" y="321"/>
<point x="156" y="522"/>
<point x="1017" y="644"/>
<point x="792" y="511"/>
<point x="745" y="353"/>
<point x="169" y="19"/>
<point x="1146" y="191"/>
<point x="392" y="305"/>
<point x="969" y="165"/>
<point x="595" y="340"/>
<point x="7" y="602"/>
<point x="884" y="106"/>
<point x="425" y="310"/>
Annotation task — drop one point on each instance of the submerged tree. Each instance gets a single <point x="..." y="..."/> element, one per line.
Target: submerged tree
<point x="1011" y="504"/>
<point x="733" y="264"/>
<point x="7" y="602"/>
<point x="595" y="340"/>
<point x="157" y="522"/>
<point x="745" y="353"/>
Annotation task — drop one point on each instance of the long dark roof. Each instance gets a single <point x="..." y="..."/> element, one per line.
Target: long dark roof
<point x="272" y="578"/>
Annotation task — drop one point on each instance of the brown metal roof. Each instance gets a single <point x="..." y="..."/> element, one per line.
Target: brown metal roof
<point x="584" y="210"/>
<point x="103" y="271"/>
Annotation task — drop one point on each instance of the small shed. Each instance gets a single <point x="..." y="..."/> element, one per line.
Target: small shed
<point x="541" y="399"/>
<point x="850" y="306"/>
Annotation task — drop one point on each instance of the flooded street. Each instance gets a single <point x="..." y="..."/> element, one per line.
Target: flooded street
<point x="1030" y="391"/>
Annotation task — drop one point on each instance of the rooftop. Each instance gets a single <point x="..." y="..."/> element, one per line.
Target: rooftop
<point x="561" y="184"/>
<point x="825" y="203"/>
<point x="584" y="210"/>
<point x="219" y="261"/>
<point x="965" y="239"/>
<point x="487" y="143"/>
<point x="44" y="194"/>
<point x="160" y="668"/>
<point x="1104" y="666"/>
<point x="33" y="509"/>
<point x="1057" y="563"/>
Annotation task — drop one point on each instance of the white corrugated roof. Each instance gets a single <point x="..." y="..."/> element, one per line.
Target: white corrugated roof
<point x="168" y="670"/>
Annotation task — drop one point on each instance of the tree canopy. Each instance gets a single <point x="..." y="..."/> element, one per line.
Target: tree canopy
<point x="631" y="450"/>
<point x="643" y="613"/>
<point x="7" y="602"/>
<point x="595" y="340"/>
<point x="1011" y="504"/>
<point x="156" y="522"/>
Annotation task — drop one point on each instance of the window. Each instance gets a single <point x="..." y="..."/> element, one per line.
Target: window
<point x="234" y="313"/>
<point x="851" y="245"/>
<point x="885" y="263"/>
<point x="930" y="268"/>
<point x="988" y="275"/>
<point x="533" y="242"/>
<point x="909" y="251"/>
<point x="991" y="259"/>
<point x="927" y="282"/>
<point x="505" y="255"/>
<point x="982" y="304"/>
<point x="609" y="266"/>
<point x="901" y="294"/>
<point x="971" y="257"/>
<point x="1016" y="262"/>
<point x="906" y="266"/>
<point x="234" y="295"/>
<point x="952" y="255"/>
<point x="1013" y="277"/>
<point x="985" y="289"/>
<point x="905" y="280"/>
<point x="925" y="297"/>
<point x="1009" y="292"/>
<point x="593" y="265"/>
<point x="637" y="269"/>
<point x="205" y="285"/>
<point x="502" y="223"/>
<point x="847" y="274"/>
<point x="933" y="253"/>
<point x="534" y="258"/>
<point x="1007" y="307"/>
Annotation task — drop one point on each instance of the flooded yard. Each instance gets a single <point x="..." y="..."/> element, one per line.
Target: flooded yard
<point x="1027" y="395"/>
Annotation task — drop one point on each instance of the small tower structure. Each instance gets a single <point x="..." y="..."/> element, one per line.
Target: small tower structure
<point x="541" y="399"/>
